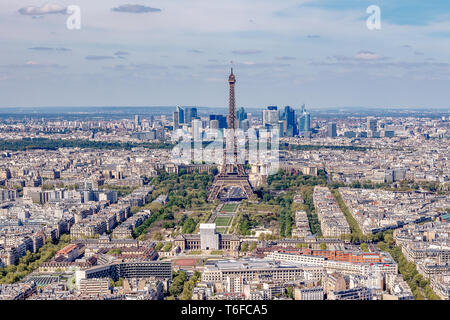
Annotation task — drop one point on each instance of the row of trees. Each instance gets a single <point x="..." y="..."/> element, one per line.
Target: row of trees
<point x="248" y="247"/>
<point x="245" y="224"/>
<point x="404" y="185"/>
<point x="54" y="144"/>
<point x="357" y="235"/>
<point x="182" y="286"/>
<point x="294" y="182"/>
<point x="31" y="261"/>
<point x="305" y="147"/>
<point x="314" y="223"/>
<point x="190" y="285"/>
<point x="285" y="180"/>
<point x="415" y="280"/>
<point x="122" y="191"/>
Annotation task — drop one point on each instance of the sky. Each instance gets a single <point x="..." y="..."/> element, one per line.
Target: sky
<point x="178" y="52"/>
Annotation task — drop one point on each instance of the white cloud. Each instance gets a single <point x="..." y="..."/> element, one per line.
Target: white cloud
<point x="135" y="8"/>
<point x="45" y="9"/>
<point x="367" y="55"/>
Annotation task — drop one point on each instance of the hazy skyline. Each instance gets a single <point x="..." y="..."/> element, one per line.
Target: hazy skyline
<point x="143" y="52"/>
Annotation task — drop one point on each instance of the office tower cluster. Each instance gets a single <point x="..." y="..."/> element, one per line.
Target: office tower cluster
<point x="184" y="116"/>
<point x="188" y="117"/>
<point x="287" y="122"/>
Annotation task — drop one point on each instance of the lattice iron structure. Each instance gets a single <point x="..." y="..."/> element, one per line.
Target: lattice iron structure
<point x="231" y="174"/>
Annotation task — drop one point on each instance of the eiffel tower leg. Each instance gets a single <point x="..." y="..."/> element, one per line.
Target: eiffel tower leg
<point x="214" y="193"/>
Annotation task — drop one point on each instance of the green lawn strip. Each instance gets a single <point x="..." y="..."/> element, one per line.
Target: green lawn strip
<point x="221" y="229"/>
<point x="222" y="221"/>
<point x="230" y="207"/>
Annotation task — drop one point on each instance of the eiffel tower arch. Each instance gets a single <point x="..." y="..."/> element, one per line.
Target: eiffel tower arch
<point x="232" y="176"/>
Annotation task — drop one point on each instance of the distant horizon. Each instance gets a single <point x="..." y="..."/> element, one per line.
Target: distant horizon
<point x="393" y="108"/>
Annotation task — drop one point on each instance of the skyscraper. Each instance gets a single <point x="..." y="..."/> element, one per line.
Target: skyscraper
<point x="180" y="115"/>
<point x="189" y="114"/>
<point x="290" y="125"/>
<point x="332" y="131"/>
<point x="245" y="125"/>
<point x="271" y="116"/>
<point x="305" y="121"/>
<point x="176" y="120"/>
<point x="241" y="115"/>
<point x="137" y="120"/>
<point x="220" y="118"/>
<point x="214" y="124"/>
<point x="372" y="126"/>
<point x="197" y="129"/>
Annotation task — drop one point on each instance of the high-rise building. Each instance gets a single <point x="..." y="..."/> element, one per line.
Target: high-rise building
<point x="271" y="116"/>
<point x="241" y="115"/>
<point x="290" y="125"/>
<point x="180" y="115"/>
<point x="214" y="124"/>
<point x="197" y="128"/>
<point x="281" y="128"/>
<point x="304" y="121"/>
<point x="245" y="125"/>
<point x="249" y="117"/>
<point x="221" y="119"/>
<point x="372" y="126"/>
<point x="332" y="131"/>
<point x="189" y="114"/>
<point x="176" y="120"/>
<point x="137" y="120"/>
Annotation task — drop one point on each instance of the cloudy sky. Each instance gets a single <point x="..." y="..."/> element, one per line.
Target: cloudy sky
<point x="170" y="52"/>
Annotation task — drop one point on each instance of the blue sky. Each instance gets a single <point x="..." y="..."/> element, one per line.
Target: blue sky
<point x="169" y="52"/>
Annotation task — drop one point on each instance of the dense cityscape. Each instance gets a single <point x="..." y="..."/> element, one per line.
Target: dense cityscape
<point x="198" y="159"/>
<point x="96" y="208"/>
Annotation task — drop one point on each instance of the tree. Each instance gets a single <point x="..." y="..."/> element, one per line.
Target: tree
<point x="323" y="246"/>
<point x="389" y="239"/>
<point x="157" y="236"/>
<point x="364" y="247"/>
<point x="119" y="283"/>
<point x="290" y="292"/>
<point x="168" y="225"/>
<point x="189" y="225"/>
<point x="114" y="251"/>
<point x="244" y="247"/>
<point x="177" y="285"/>
<point x="158" y="246"/>
<point x="167" y="247"/>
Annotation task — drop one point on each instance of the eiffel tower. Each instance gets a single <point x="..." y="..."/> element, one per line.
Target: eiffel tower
<point x="232" y="175"/>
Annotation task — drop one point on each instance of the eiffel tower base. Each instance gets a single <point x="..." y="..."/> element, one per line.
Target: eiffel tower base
<point x="223" y="181"/>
